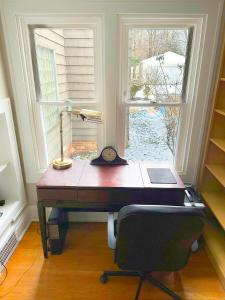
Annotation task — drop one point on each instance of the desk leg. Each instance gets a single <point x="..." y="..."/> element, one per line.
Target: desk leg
<point x="42" y="221"/>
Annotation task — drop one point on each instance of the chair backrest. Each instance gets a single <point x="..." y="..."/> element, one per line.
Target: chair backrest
<point x="156" y="238"/>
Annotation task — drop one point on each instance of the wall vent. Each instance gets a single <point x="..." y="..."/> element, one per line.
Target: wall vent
<point x="8" y="248"/>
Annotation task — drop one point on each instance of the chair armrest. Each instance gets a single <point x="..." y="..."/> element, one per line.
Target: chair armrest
<point x="111" y="231"/>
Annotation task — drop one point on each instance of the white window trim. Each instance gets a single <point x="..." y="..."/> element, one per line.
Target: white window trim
<point x="36" y="120"/>
<point x="188" y="108"/>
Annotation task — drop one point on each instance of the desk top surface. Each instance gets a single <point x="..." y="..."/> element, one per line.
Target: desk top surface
<point x="83" y="175"/>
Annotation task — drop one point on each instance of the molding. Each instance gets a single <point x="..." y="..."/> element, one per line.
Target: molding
<point x="22" y="223"/>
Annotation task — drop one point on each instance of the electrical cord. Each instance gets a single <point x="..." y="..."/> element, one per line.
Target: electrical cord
<point x="19" y="279"/>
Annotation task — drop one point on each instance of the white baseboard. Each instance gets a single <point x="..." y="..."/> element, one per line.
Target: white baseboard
<point x="33" y="213"/>
<point x="22" y="223"/>
<point x="74" y="216"/>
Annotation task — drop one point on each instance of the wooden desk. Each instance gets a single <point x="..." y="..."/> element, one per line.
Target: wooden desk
<point x="102" y="188"/>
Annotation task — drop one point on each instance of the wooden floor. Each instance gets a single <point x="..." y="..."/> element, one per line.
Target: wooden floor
<point x="75" y="274"/>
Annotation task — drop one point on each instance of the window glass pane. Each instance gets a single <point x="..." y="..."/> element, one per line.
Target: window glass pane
<point x="151" y="133"/>
<point x="47" y="73"/>
<point x="48" y="85"/>
<point x="79" y="137"/>
<point x="84" y="139"/>
<point x="157" y="59"/>
<point x="72" y="63"/>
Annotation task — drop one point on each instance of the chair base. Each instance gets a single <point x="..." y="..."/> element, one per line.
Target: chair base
<point x="143" y="276"/>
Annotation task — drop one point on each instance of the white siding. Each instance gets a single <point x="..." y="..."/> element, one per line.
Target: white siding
<point x="83" y="130"/>
<point x="74" y="57"/>
<point x="79" y="51"/>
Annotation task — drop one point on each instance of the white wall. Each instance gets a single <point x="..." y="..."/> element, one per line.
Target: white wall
<point x="4" y="89"/>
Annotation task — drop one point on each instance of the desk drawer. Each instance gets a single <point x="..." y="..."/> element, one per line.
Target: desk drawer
<point x="131" y="196"/>
<point x="56" y="194"/>
<point x="110" y="196"/>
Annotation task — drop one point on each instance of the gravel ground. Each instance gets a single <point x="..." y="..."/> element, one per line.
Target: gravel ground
<point x="147" y="137"/>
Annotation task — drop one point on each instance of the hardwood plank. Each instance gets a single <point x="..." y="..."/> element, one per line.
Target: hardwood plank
<point x="75" y="273"/>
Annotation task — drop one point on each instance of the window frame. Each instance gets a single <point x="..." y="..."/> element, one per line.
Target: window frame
<point x="96" y="26"/>
<point x="26" y="26"/>
<point x="185" y="126"/>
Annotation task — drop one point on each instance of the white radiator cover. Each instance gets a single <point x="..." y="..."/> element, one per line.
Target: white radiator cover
<point x="8" y="249"/>
<point x="12" y="236"/>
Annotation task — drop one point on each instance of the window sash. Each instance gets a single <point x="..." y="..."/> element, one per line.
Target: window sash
<point x="183" y="153"/>
<point x="144" y="103"/>
<point x="95" y="26"/>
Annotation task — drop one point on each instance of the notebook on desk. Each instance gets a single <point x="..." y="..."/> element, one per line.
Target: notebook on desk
<point x="161" y="176"/>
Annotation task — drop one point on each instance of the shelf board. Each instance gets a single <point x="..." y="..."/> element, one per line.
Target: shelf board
<point x="216" y="202"/>
<point x="220" y="143"/>
<point x="3" y="167"/>
<point x="220" y="111"/>
<point x="215" y="244"/>
<point x="218" y="171"/>
<point x="222" y="79"/>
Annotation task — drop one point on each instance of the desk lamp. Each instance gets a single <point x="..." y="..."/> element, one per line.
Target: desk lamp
<point x="86" y="115"/>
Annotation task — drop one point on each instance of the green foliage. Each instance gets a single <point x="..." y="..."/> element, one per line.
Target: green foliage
<point x="135" y="87"/>
<point x="134" y="61"/>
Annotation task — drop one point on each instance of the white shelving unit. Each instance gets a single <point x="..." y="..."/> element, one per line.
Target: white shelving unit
<point x="11" y="182"/>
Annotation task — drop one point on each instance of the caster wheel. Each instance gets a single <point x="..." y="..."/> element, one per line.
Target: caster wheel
<point x="194" y="246"/>
<point x="104" y="278"/>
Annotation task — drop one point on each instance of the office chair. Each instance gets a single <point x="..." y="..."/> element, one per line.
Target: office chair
<point x="153" y="238"/>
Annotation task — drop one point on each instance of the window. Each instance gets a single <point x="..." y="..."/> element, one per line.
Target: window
<point x="65" y="71"/>
<point x="155" y="72"/>
<point x="111" y="60"/>
<point x="48" y="85"/>
<point x="157" y="62"/>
